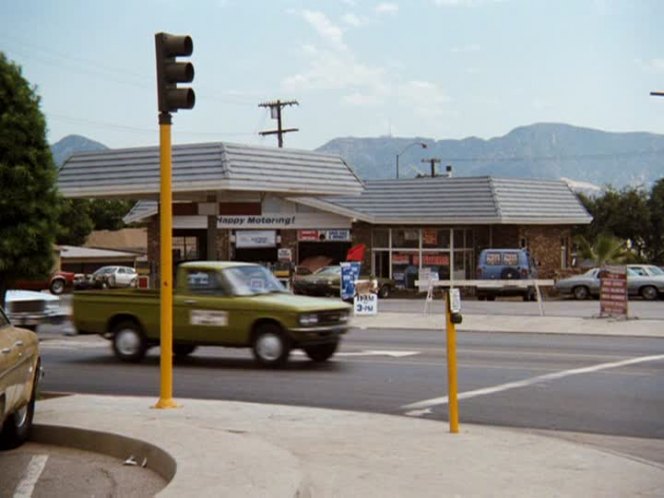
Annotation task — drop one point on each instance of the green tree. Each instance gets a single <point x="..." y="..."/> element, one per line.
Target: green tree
<point x="655" y="239"/>
<point x="28" y="196"/>
<point x="74" y="223"/>
<point x="605" y="248"/>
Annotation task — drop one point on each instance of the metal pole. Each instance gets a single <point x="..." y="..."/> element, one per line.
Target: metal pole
<point x="166" y="258"/>
<point x="451" y="367"/>
<point x="397" y="166"/>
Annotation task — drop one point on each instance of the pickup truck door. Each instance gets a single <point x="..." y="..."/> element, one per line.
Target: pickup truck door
<point x="204" y="312"/>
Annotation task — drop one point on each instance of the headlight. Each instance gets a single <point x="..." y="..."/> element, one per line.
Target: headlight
<point x="309" y="319"/>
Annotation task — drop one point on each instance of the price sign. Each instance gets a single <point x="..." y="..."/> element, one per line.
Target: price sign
<point x="366" y="304"/>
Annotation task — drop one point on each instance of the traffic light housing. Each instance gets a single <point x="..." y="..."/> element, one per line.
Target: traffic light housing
<point x="171" y="72"/>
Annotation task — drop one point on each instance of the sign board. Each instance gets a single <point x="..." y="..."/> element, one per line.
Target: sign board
<point x="366" y="304"/>
<point x="255" y="238"/>
<point x="333" y="235"/>
<point x="613" y="291"/>
<point x="455" y="301"/>
<point x="285" y="254"/>
<point x="350" y="272"/>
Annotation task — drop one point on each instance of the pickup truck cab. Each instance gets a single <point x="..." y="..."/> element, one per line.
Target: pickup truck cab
<point x="216" y="303"/>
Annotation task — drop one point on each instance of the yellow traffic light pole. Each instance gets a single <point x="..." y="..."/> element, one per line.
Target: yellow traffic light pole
<point x="166" y="266"/>
<point x="453" y="403"/>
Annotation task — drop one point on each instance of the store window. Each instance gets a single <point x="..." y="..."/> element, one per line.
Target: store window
<point x="435" y="238"/>
<point x="406" y="238"/>
<point x="185" y="248"/>
<point x="381" y="239"/>
<point x="405" y="268"/>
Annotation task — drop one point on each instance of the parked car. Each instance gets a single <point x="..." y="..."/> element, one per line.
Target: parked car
<point x="20" y="370"/>
<point x="114" y="276"/>
<point x="30" y="309"/>
<point x="506" y="264"/>
<point x="326" y="281"/>
<point x="646" y="281"/>
<point x="217" y="303"/>
<point x="57" y="283"/>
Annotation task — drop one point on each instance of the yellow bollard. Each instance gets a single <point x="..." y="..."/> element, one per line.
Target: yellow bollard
<point x="453" y="403"/>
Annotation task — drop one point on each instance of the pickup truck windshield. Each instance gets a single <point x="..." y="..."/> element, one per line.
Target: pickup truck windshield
<point x="252" y="280"/>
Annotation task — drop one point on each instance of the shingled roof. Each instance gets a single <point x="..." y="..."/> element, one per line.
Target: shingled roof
<point x="205" y="169"/>
<point x="460" y="201"/>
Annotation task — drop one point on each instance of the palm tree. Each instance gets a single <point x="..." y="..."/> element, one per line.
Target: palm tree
<point x="605" y="249"/>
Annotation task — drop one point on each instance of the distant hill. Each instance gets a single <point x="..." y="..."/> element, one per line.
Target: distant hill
<point x="65" y="147"/>
<point x="544" y="150"/>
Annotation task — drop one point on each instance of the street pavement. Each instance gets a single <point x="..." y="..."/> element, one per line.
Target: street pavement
<point x="221" y="448"/>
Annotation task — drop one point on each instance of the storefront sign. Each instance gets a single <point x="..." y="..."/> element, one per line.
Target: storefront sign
<point x="430" y="237"/>
<point x="285" y="254"/>
<point x="255" y="238"/>
<point x="255" y="221"/>
<point x="613" y="291"/>
<point x="333" y="235"/>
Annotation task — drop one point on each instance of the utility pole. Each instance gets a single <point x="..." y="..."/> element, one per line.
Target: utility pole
<point x="275" y="112"/>
<point x="433" y="161"/>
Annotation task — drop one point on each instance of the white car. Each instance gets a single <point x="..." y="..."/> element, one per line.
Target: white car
<point x="30" y="309"/>
<point x="115" y="276"/>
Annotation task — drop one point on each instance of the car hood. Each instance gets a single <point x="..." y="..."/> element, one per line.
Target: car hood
<point x="24" y="295"/>
<point x="298" y="303"/>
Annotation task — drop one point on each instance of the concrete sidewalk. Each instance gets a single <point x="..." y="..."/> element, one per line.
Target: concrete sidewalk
<point x="230" y="449"/>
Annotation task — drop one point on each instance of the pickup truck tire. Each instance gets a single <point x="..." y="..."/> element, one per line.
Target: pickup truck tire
<point x="321" y="352"/>
<point x="183" y="349"/>
<point x="270" y="346"/>
<point x="129" y="342"/>
<point x="18" y="425"/>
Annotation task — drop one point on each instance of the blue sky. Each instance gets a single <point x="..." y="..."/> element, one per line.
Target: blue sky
<point x="428" y="68"/>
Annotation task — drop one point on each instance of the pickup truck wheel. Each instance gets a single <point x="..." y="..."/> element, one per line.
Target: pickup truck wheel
<point x="270" y="346"/>
<point x="321" y="352"/>
<point x="18" y="425"/>
<point x="128" y="342"/>
<point x="183" y="349"/>
<point x="57" y="286"/>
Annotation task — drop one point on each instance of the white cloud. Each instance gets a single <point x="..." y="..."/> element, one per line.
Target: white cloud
<point x="423" y="97"/>
<point x="353" y="20"/>
<point x="325" y="28"/>
<point x="465" y="49"/>
<point x="362" y="100"/>
<point x="387" y="8"/>
<point x="651" y="65"/>
<point x="463" y="3"/>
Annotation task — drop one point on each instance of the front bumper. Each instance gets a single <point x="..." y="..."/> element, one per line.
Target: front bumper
<point x="34" y="319"/>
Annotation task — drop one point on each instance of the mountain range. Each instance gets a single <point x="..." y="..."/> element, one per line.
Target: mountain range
<point x="583" y="156"/>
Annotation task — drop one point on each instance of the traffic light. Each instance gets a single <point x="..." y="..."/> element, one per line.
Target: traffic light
<point x="170" y="72"/>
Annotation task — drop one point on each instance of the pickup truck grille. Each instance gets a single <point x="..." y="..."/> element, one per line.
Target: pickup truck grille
<point x="332" y="317"/>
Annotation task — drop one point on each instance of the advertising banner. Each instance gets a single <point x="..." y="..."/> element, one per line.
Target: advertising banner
<point x="350" y="272"/>
<point x="613" y="291"/>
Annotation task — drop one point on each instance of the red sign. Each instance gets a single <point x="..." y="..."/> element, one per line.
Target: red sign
<point x="307" y="235"/>
<point x="613" y="291"/>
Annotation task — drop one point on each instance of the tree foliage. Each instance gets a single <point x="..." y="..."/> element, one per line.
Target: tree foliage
<point x="633" y="217"/>
<point x="28" y="196"/>
<point x="79" y="217"/>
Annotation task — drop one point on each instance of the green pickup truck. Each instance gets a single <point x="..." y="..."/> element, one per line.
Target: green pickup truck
<point x="216" y="303"/>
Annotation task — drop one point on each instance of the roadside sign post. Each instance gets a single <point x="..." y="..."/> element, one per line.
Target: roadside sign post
<point x="452" y="317"/>
<point x="613" y="299"/>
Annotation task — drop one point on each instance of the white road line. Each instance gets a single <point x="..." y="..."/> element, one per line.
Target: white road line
<point x="529" y="382"/>
<point x="26" y="487"/>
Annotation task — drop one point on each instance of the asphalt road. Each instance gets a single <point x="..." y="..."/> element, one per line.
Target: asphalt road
<point x="385" y="371"/>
